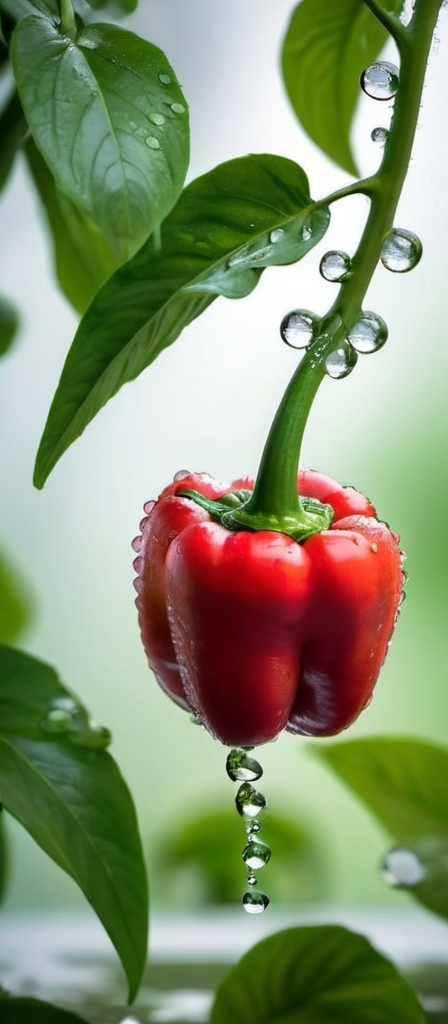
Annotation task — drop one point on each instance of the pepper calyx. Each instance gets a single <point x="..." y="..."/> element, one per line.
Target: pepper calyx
<point x="233" y="512"/>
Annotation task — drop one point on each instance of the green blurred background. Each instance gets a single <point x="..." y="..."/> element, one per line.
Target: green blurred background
<point x="207" y="404"/>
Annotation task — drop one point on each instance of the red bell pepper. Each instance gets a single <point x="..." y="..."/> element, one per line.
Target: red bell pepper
<point x="255" y="632"/>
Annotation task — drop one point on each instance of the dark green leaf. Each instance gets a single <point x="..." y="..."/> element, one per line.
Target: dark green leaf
<point x="327" y="46"/>
<point x="228" y="225"/>
<point x="15" y="603"/>
<point x="25" y="1010"/>
<point x="12" y="131"/>
<point x="9" y="324"/>
<point x="70" y="797"/>
<point x="404" y="782"/>
<point x="116" y="7"/>
<point x="83" y="258"/>
<point x="110" y="120"/>
<point x="315" y="975"/>
<point x="4" y="856"/>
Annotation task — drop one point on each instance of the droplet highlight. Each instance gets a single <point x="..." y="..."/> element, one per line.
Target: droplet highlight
<point x="380" y="80"/>
<point x="336" y="266"/>
<point x="341" y="362"/>
<point x="401" y="251"/>
<point x="299" y="328"/>
<point x="255" y="902"/>
<point x="402" y="869"/>
<point x="368" y="334"/>
<point x="242" y="768"/>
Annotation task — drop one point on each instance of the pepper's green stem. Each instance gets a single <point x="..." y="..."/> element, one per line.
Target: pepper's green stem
<point x="68" y="22"/>
<point x="275" y="503"/>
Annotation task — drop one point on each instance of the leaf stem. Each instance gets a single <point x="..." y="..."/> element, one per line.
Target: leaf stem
<point x="68" y="21"/>
<point x="386" y="18"/>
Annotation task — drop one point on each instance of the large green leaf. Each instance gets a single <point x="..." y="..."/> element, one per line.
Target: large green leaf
<point x="15" y="603"/>
<point x="404" y="782"/>
<point x="110" y="119"/>
<point x="83" y="258"/>
<point x="69" y="795"/>
<point x="314" y="975"/>
<point x="12" y="131"/>
<point x="326" y="47"/>
<point x="228" y="225"/>
<point x="25" y="1010"/>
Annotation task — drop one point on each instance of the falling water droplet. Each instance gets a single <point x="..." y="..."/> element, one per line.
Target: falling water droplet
<point x="251" y="878"/>
<point x="249" y="801"/>
<point x="253" y="828"/>
<point x="256" y="854"/>
<point x="401" y="251"/>
<point x="92" y="737"/>
<point x="380" y="136"/>
<point x="299" y="328"/>
<point x="164" y="78"/>
<point x="242" y="768"/>
<point x="341" y="362"/>
<point x="178" y="108"/>
<point x="369" y="333"/>
<point x="380" y="80"/>
<point x="276" y="235"/>
<point x="336" y="266"/>
<point x="156" y="118"/>
<point x="255" y="902"/>
<point x="402" y="869"/>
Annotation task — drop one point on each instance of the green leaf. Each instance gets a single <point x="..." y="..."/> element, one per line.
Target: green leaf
<point x="83" y="258"/>
<point x="228" y="225"/>
<point x="4" y="856"/>
<point x="326" y="47"/>
<point x="70" y="797"/>
<point x="25" y="1010"/>
<point x="116" y="7"/>
<point x="404" y="783"/>
<point x="110" y="120"/>
<point x="18" y="9"/>
<point x="15" y="603"/>
<point x="12" y="131"/>
<point x="315" y="974"/>
<point x="9" y="324"/>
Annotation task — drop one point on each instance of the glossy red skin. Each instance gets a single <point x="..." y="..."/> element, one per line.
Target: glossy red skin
<point x="255" y="633"/>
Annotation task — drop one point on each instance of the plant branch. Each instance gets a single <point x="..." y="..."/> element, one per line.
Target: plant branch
<point x="390" y="22"/>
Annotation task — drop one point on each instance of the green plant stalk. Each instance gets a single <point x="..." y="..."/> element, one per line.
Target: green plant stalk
<point x="275" y="501"/>
<point x="68" y="22"/>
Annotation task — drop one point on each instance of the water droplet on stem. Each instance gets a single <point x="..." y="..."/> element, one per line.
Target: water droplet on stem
<point x="341" y="362"/>
<point x="299" y="328"/>
<point x="401" y="251"/>
<point x="336" y="266"/>
<point x="368" y="334"/>
<point x="380" y="80"/>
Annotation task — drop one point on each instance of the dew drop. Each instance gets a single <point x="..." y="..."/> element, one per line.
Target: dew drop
<point x="401" y="251"/>
<point x="242" y="768"/>
<point x="299" y="328"/>
<point x="255" y="902"/>
<point x="93" y="737"/>
<point x="148" y="507"/>
<point x="249" y="802"/>
<point x="341" y="362"/>
<point x="276" y="235"/>
<point x="180" y="475"/>
<point x="178" y="108"/>
<point x="368" y="334"/>
<point x="256" y="854"/>
<point x="137" y="564"/>
<point x="164" y="78"/>
<point x="336" y="266"/>
<point x="56" y="720"/>
<point x="380" y="80"/>
<point x="402" y="869"/>
<point x="152" y="142"/>
<point x="380" y="136"/>
<point x="137" y="543"/>
<point x="306" y="232"/>
<point x="156" y="118"/>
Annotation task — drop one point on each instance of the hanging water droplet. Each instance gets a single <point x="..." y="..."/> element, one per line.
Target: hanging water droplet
<point x="164" y="78"/>
<point x="251" y="878"/>
<point x="249" y="802"/>
<point x="242" y="768"/>
<point x="253" y="828"/>
<point x="402" y="869"/>
<point x="336" y="266"/>
<point x="369" y="333"/>
<point x="152" y="142"/>
<point x="178" y="108"/>
<point x="401" y="251"/>
<point x="380" y="136"/>
<point x="299" y="328"/>
<point x="56" y="720"/>
<point x="93" y="736"/>
<point x="156" y="118"/>
<point x="255" y="902"/>
<point x="341" y="362"/>
<point x="380" y="80"/>
<point x="256" y="854"/>
<point x="276" y="235"/>
<point x="137" y="543"/>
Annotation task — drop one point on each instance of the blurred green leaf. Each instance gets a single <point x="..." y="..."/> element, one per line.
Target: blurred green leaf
<point x="326" y="47"/>
<point x="110" y="120"/>
<point x="228" y="225"/>
<point x="315" y="975"/>
<point x="24" y="1010"/>
<point x="15" y="603"/>
<point x="404" y="783"/>
<point x="13" y="128"/>
<point x="116" y="7"/>
<point x="9" y="325"/>
<point x="4" y="858"/>
<point x="83" y="258"/>
<point x="70" y="797"/>
<point x="18" y="9"/>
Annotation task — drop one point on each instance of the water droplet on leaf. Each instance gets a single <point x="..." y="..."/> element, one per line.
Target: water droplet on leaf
<point x="380" y="80"/>
<point x="56" y="720"/>
<point x="369" y="333"/>
<point x="276" y="235"/>
<point x="249" y="802"/>
<point x="401" y="251"/>
<point x="380" y="136"/>
<point x="178" y="108"/>
<point x="299" y="327"/>
<point x="336" y="266"/>
<point x="152" y="142"/>
<point x="242" y="768"/>
<point x="341" y="362"/>
<point x="164" y="78"/>
<point x="255" y="902"/>
<point x="402" y="869"/>
<point x="157" y="118"/>
<point x="256" y="854"/>
<point x="92" y="737"/>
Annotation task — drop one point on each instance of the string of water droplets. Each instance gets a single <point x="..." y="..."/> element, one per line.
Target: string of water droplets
<point x="250" y="803"/>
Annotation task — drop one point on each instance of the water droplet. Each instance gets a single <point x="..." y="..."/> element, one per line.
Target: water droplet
<point x="299" y="327"/>
<point x="137" y="564"/>
<point x="152" y="142"/>
<point x="253" y="828"/>
<point x="380" y="80"/>
<point x="402" y="868"/>
<point x="401" y="251"/>
<point x="306" y="232"/>
<point x="164" y="78"/>
<point x="336" y="266"/>
<point x="148" y="507"/>
<point x="255" y="902"/>
<point x="93" y="736"/>
<point x="156" y="118"/>
<point x="249" y="802"/>
<point x="137" y="543"/>
<point x="56" y="720"/>
<point x="369" y="333"/>
<point x="341" y="362"/>
<point x="178" y="108"/>
<point x="242" y="768"/>
<point x="251" y="878"/>
<point x="276" y="235"/>
<point x="380" y="136"/>
<point x="256" y="854"/>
